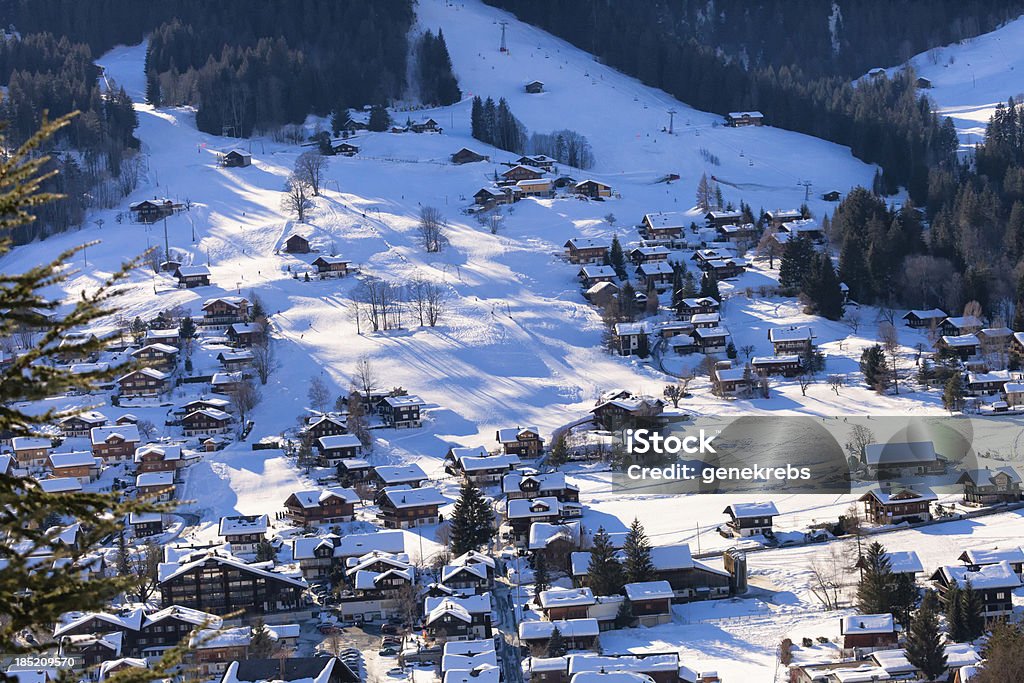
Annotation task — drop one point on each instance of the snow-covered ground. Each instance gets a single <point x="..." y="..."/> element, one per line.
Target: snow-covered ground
<point x="971" y="77"/>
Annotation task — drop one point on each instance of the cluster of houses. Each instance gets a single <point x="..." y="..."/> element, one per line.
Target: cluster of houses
<point x="324" y="266"/>
<point x="528" y="176"/>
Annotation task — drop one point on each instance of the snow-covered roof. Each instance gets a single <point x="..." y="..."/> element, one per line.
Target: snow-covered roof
<point x="904" y="562"/>
<point x="339" y="441"/>
<point x="152" y="373"/>
<point x="963" y="321"/>
<point x="89" y="416"/>
<point x="705" y="318"/>
<point x="155" y="479"/>
<point x="586" y="243"/>
<point x="867" y="623"/>
<point x="745" y="114"/>
<point x="24" y="443"/>
<point x="670" y="557"/>
<point x="166" y="452"/>
<point x="243" y="524"/>
<point x="960" y="340"/>
<point x="543" y="534"/>
<point x="407" y="497"/>
<point x="899" y="452"/>
<point x="127" y="432"/>
<point x="75" y="459"/>
<point x="524" y="508"/>
<point x="986" y="556"/>
<point x="986" y="476"/>
<point x="351" y="545"/>
<point x="649" y="590"/>
<point x="230" y="301"/>
<point x="996" y="376"/>
<point x="483" y="673"/>
<point x="667" y="220"/>
<point x="590" y="272"/>
<point x="655" y="268"/>
<point x="315" y="497"/>
<point x="747" y="510"/>
<point x="513" y="434"/>
<point x="569" y="628"/>
<point x="590" y="662"/>
<point x="400" y="474"/>
<point x="999" y="575"/>
<point x="170" y="570"/>
<point x="460" y="607"/>
<point x="547" y="481"/>
<point x="624" y="329"/>
<point x="209" y="639"/>
<point x="802" y="225"/>
<point x="790" y="334"/>
<point x="60" y="485"/>
<point x="487" y="461"/>
<point x="468" y="647"/>
<point x="451" y="661"/>
<point x="159" y="347"/>
<point x="901" y="495"/>
<point x="474" y="557"/>
<point x="449" y="571"/>
<point x="404" y="401"/>
<point x="192" y="271"/>
<point x="931" y="314"/>
<point x="566" y="597"/>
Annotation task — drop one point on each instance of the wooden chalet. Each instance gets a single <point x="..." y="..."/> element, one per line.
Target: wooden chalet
<point x="524" y="442"/>
<point x="154" y="457"/>
<point x="225" y="310"/>
<point x="791" y="340"/>
<point x="237" y="158"/>
<point x="337" y="447"/>
<point x="425" y="126"/>
<point x="328" y="506"/>
<point x="478" y="466"/>
<point x="995" y="583"/>
<point x="236" y="361"/>
<point x="320" y="426"/>
<point x="593" y="274"/>
<point x="243" y="533"/>
<point x="900" y="458"/>
<point x="960" y="325"/>
<point x="296" y="244"/>
<point x="740" y="119"/>
<point x="657" y="274"/>
<point x="158" y="486"/>
<point x="454" y="618"/>
<point x="224" y="584"/>
<point x="80" y="465"/>
<point x="784" y="366"/>
<point x="520" y="172"/>
<point x="468" y="156"/>
<point x="403" y="507"/>
<point x="534" y="87"/>
<point x="874" y="631"/>
<point x="331" y="266"/>
<point x="920" y="319"/>
<point x="664" y="225"/>
<point x="626" y="411"/>
<point x="80" y="424"/>
<point x="718" y="218"/>
<point x="114" y="443"/>
<point x="541" y="161"/>
<point x="577" y="634"/>
<point x="345" y="149"/>
<point x="145" y="524"/>
<point x="402" y="412"/>
<point x="31" y="452"/>
<point x="160" y="356"/>
<point x="152" y="210"/>
<point x="895" y="505"/>
<point x="242" y="335"/>
<point x="654" y="254"/>
<point x="631" y="339"/>
<point x="751" y="519"/>
<point x="730" y="381"/>
<point x="592" y="189"/>
<point x="991" y="486"/>
<point x="963" y="346"/>
<point x="651" y="602"/>
<point x="143" y="382"/>
<point x="206" y="422"/>
<point x="585" y="251"/>
<point x="694" y="306"/>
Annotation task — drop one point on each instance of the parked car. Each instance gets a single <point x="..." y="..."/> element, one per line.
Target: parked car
<point x="389" y="629"/>
<point x="387" y="652"/>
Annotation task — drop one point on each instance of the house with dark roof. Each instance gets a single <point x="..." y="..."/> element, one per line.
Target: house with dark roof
<point x="328" y="506"/>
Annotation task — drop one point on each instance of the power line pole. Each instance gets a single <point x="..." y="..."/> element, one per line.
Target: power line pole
<point x="807" y="188"/>
<point x="504" y="46"/>
<point x="671" y="120"/>
<point x="167" y="244"/>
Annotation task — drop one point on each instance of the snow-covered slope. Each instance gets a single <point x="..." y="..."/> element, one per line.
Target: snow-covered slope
<point x="970" y="78"/>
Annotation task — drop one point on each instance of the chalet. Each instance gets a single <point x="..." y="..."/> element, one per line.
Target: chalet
<point x="556" y="541"/>
<point x="711" y="339"/>
<point x="236" y="361"/>
<point x="334" y="449"/>
<point x="524" y="442"/>
<point x="192" y="276"/>
<point x="402" y="507"/>
<point x="80" y="465"/>
<point x="729" y="381"/>
<point x="146" y="523"/>
<point x="237" y="158"/>
<point x="900" y="562"/>
<point x="923" y="82"/>
<point x="986" y="383"/>
<point x="489" y="196"/>
<point x="777" y="217"/>
<point x="400" y="412"/>
<point x="520" y="172"/>
<point x="785" y="366"/>
<point x="143" y="382"/>
<point x="995" y="583"/>
<point x="566" y="603"/>
<point x="425" y="126"/>
<point x="962" y="346"/>
<point x="631" y="339"/>
<point x="73" y="347"/>
<point x="739" y="119"/>
<point x="751" y="519"/>
<point x="657" y="274"/>
<point x="80" y="424"/>
<point x="592" y="189"/>
<point x="152" y="210"/>
<point x="988" y="486"/>
<point x="296" y="244"/>
<point x="468" y="156"/>
<point x="689" y="307"/>
<point x="717" y="218"/>
<point x="534" y="87"/>
<point x="60" y="485"/>
<point x="225" y="310"/>
<point x="791" y="340"/>
<point x="114" y="443"/>
<point x="157" y="486"/>
<point x="956" y="326"/>
<point x="910" y="457"/>
<point x="522" y="512"/>
<point x="593" y="274"/>
<point x="226" y="382"/>
<point x="541" y="187"/>
<point x="653" y="254"/>
<point x="923" y="319"/>
<point x="313" y="507"/>
<point x="160" y="356"/>
<point x="243" y="533"/>
<point x="289" y="670"/>
<point x="467" y="578"/>
<point x="690" y="579"/>
<point x="242" y="335"/>
<point x="345" y="149"/>
<point x="354" y="470"/>
<point x="206" y="422"/>
<point x="983" y="557"/>
<point x="737" y="233"/>
<point x="682" y="344"/>
<point x="808" y="228"/>
<point x="578" y="634"/>
<point x="320" y="426"/>
<point x="831" y="196"/>
<point x="458" y="618"/>
<point x="585" y="251"/>
<point x="317" y="556"/>
<point x="213" y="650"/>
<point x="628" y="412"/>
<point x="994" y="340"/>
<point x="663" y="225"/>
<point x="704" y="321"/>
<point x="602" y="293"/>
<point x="541" y="161"/>
<point x="411" y="475"/>
<point x="478" y="466"/>
<point x="157" y="458"/>
<point x="331" y="266"/>
<point x="651" y="602"/>
<point x="674" y="328"/>
<point x="169" y="336"/>
<point x="223" y="584"/>
<point x="874" y="631"/>
<point x="645" y="668"/>
<point x="895" y="505"/>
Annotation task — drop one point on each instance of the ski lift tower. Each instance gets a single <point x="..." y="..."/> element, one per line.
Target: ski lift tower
<point x="504" y="45"/>
<point x="671" y="120"/>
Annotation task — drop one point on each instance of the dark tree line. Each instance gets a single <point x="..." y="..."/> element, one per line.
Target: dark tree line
<point x="496" y="125"/>
<point x="437" y="83"/>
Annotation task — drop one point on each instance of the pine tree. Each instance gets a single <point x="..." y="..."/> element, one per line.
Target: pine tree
<point x="924" y="648"/>
<point x="559" y="454"/>
<point x="873" y="366"/>
<point x="1018" y="313"/>
<point x="472" y="521"/>
<point x="624" y="617"/>
<point x="265" y="551"/>
<point x="874" y="592"/>
<point x="476" y="120"/>
<point x="556" y="644"/>
<point x="604" y="572"/>
<point x="380" y="119"/>
<point x="616" y="259"/>
<point x="709" y="286"/>
<point x="637" y="549"/>
<point x="796" y="263"/>
<point x="904" y="597"/>
<point x="261" y="645"/>
<point x="705" y="195"/>
<point x="955" y="614"/>
<point x="730" y="350"/>
<point x="677" y="286"/>
<point x="973" y="611"/>
<point x="953" y="393"/>
<point x="339" y="120"/>
<point x="824" y="290"/>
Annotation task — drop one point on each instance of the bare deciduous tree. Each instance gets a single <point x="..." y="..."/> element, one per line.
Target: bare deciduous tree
<point x="747" y="350"/>
<point x="319" y="395"/>
<point x="827" y="579"/>
<point x="891" y="343"/>
<point x="145" y="566"/>
<point x="263" y="358"/>
<point x="835" y="382"/>
<point x="860" y="437"/>
<point x="431" y="228"/>
<point x="364" y="376"/>
<point x="297" y="198"/>
<point x="437" y="300"/>
<point x="244" y="398"/>
<point x="310" y="168"/>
